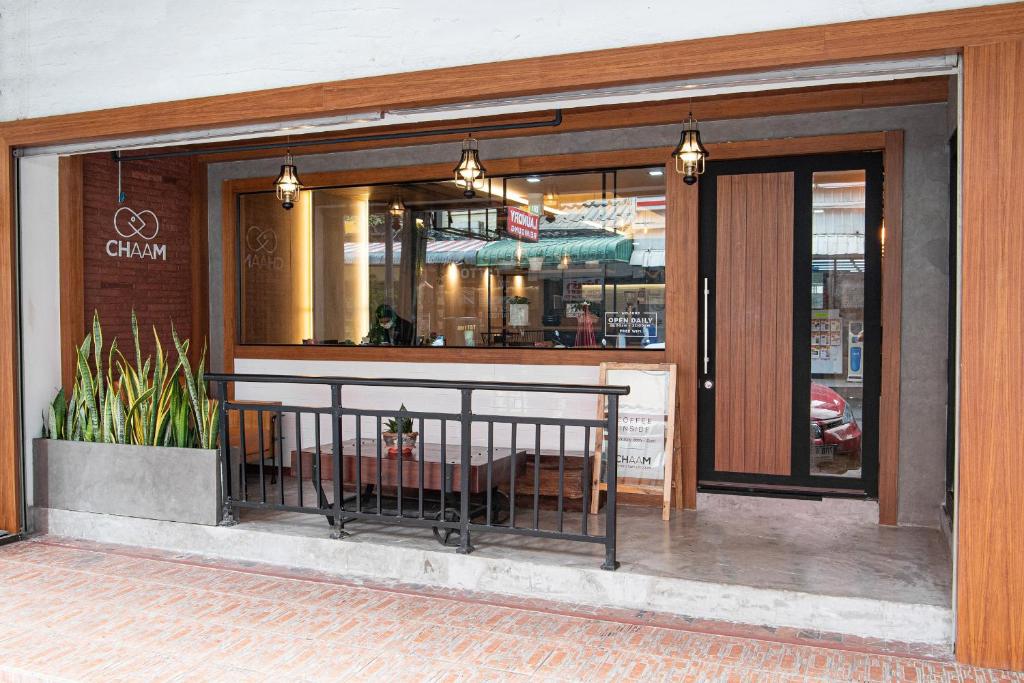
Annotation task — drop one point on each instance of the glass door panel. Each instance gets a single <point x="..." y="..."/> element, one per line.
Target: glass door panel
<point x="838" y="269"/>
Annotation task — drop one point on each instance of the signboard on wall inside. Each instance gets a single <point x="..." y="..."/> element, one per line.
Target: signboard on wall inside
<point x="630" y="324"/>
<point x="826" y="342"/>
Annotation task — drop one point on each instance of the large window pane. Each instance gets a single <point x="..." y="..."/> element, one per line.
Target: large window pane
<point x="274" y="270"/>
<point x="420" y="264"/>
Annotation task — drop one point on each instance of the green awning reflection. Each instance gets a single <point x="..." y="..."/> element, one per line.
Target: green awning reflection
<point x="553" y="250"/>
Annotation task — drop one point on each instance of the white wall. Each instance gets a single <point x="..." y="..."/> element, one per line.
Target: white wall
<point x="515" y="404"/>
<point x="59" y="57"/>
<point x="40" y="296"/>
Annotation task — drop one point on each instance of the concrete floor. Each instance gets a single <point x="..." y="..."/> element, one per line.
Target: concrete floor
<point x="823" y="567"/>
<point x="830" y="547"/>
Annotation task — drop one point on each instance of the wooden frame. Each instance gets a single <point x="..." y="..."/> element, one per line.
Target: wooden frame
<point x="72" y="264"/>
<point x="990" y="497"/>
<point x="716" y="108"/>
<point x="540" y="164"/>
<point x="200" y="260"/>
<point x="633" y="486"/>
<point x="10" y="410"/>
<point x="892" y="306"/>
<point x="986" y="35"/>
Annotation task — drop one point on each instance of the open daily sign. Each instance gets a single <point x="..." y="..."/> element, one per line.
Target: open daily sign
<point x="628" y="323"/>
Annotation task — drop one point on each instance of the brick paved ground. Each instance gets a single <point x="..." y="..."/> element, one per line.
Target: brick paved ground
<point x="77" y="611"/>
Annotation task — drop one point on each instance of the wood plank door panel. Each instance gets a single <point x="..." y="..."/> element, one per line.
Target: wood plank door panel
<point x="754" y="319"/>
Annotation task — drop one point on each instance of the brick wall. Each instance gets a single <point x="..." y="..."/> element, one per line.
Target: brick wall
<point x="151" y="275"/>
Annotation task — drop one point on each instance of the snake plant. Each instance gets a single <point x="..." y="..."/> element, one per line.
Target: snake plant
<point x="151" y="402"/>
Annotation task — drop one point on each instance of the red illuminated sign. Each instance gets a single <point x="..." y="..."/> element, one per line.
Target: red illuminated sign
<point x="522" y="225"/>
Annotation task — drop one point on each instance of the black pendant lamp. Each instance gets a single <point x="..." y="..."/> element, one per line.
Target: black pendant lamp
<point x="470" y="173"/>
<point x="287" y="186"/>
<point x="690" y="153"/>
<point x="396" y="207"/>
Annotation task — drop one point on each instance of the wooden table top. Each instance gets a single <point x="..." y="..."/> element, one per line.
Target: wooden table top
<point x="431" y="452"/>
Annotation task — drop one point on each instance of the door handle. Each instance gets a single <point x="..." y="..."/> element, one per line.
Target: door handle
<point x="707" y="351"/>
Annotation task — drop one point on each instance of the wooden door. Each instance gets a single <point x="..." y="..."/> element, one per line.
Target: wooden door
<point x="790" y="259"/>
<point x="754" y="319"/>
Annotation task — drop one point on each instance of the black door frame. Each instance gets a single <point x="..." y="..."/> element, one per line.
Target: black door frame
<point x="800" y="479"/>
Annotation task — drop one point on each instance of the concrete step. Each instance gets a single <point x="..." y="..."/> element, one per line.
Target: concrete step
<point x="389" y="556"/>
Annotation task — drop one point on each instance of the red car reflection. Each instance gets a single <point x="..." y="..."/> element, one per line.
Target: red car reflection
<point x="833" y="426"/>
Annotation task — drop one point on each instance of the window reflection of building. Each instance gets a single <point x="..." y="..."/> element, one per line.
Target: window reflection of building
<point x="442" y="262"/>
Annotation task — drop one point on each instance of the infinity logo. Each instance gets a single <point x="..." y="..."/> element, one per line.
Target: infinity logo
<point x="261" y="241"/>
<point x="128" y="223"/>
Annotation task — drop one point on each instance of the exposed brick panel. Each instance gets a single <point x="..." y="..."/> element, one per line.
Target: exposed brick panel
<point x="159" y="289"/>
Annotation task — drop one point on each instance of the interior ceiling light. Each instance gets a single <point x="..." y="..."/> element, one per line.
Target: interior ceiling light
<point x="532" y="179"/>
<point x="469" y="172"/>
<point x="690" y="153"/>
<point x="288" y="186"/>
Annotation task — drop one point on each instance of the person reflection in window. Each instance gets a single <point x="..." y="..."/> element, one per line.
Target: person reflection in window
<point x="389" y="329"/>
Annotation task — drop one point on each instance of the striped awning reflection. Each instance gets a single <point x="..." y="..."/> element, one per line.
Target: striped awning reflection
<point x="438" y="251"/>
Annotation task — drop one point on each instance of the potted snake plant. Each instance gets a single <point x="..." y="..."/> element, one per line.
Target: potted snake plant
<point x="400" y="424"/>
<point x="133" y="437"/>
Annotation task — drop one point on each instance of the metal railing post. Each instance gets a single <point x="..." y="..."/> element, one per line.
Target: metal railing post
<point x="336" y="460"/>
<point x="228" y="514"/>
<point x="612" y="470"/>
<point x="465" y="448"/>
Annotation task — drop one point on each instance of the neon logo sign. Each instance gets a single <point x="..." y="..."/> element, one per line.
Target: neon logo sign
<point x="137" y="229"/>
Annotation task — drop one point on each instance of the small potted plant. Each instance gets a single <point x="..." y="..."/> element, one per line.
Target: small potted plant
<point x="400" y="425"/>
<point x="518" y="311"/>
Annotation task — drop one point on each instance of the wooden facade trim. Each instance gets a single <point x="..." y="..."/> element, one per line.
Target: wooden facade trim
<point x="681" y="289"/>
<point x="990" y="495"/>
<point x="200" y="263"/>
<point x="72" y="263"/>
<point x="510" y="356"/>
<point x="10" y="410"/>
<point x="717" y="108"/>
<point x="892" y="306"/>
<point x="941" y="32"/>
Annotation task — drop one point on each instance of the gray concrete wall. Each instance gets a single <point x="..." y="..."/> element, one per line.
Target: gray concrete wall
<point x="925" y="239"/>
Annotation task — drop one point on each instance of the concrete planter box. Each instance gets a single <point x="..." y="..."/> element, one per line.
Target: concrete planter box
<point x="171" y="484"/>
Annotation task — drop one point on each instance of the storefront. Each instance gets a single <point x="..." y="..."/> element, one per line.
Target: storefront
<point x="582" y="246"/>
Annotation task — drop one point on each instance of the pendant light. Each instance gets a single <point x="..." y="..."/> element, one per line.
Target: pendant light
<point x="470" y="173"/>
<point x="288" y="184"/>
<point x="396" y="207"/>
<point x="690" y="153"/>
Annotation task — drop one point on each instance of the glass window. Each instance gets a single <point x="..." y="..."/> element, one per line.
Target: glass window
<point x="567" y="260"/>
<point x="837" y="323"/>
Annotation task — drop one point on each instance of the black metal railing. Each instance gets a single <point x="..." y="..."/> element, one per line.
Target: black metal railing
<point x="454" y="489"/>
